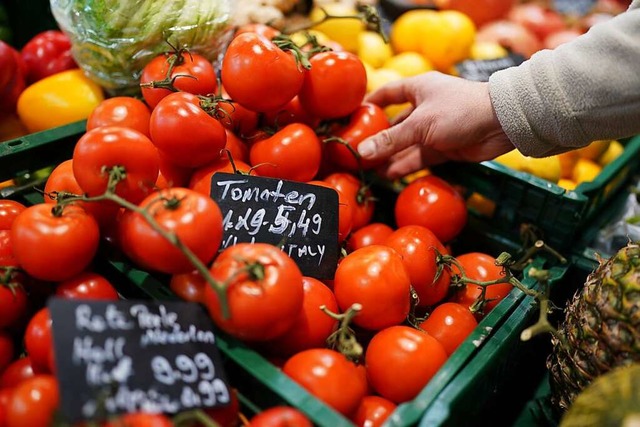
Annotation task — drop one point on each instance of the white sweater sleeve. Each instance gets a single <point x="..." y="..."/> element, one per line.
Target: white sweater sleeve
<point x="584" y="90"/>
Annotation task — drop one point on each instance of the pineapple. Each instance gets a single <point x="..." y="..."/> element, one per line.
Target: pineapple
<point x="601" y="328"/>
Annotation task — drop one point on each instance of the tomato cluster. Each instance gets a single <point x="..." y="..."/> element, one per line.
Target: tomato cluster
<point x="140" y="179"/>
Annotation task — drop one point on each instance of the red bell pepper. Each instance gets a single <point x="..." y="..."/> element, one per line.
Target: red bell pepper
<point x="47" y="53"/>
<point x="12" y="79"/>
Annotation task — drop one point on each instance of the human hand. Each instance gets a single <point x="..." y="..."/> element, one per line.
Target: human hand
<point x="450" y="119"/>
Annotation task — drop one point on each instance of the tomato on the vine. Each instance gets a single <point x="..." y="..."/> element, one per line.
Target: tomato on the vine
<point x="358" y="194"/>
<point x="450" y="324"/>
<point x="87" y="285"/>
<point x="193" y="218"/>
<point x="33" y="402"/>
<point x="345" y="211"/>
<point x="376" y="278"/>
<point x="6" y="350"/>
<point x="188" y="72"/>
<point x="292" y="112"/>
<point x="401" y="360"/>
<point x="184" y="132"/>
<point x="263" y="288"/>
<point x="293" y="153"/>
<point x="258" y="74"/>
<point x="258" y="28"/>
<point x="9" y="210"/>
<point x="329" y="376"/>
<point x="373" y="411"/>
<point x="16" y="372"/>
<point x="140" y="419"/>
<point x="67" y="237"/>
<point x="201" y="178"/>
<point x="432" y="202"/>
<point x="375" y="233"/>
<point x="280" y="416"/>
<point x="102" y="149"/>
<point x="235" y="117"/>
<point x="13" y="299"/>
<point x="188" y="286"/>
<point x="124" y="111"/>
<point x="38" y="342"/>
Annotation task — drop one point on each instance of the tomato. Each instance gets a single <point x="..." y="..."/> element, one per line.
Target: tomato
<point x="237" y="118"/>
<point x="12" y="78"/>
<point x="6" y="251"/>
<point x="375" y="277"/>
<point x="312" y="327"/>
<point x="236" y="148"/>
<point x="62" y="180"/>
<point x="57" y="100"/>
<point x="13" y="300"/>
<point x="6" y="350"/>
<point x="280" y="416"/>
<point x="371" y="234"/>
<point x="139" y="419"/>
<point x="450" y="324"/>
<point x="345" y="211"/>
<point x="87" y="285"/>
<point x="190" y="72"/>
<point x="481" y="267"/>
<point x="401" y="360"/>
<point x="67" y="241"/>
<point x="292" y="112"/>
<point x="418" y="245"/>
<point x="192" y="217"/>
<point x="373" y="411"/>
<point x="292" y="153"/>
<point x="329" y="376"/>
<point x="358" y="195"/>
<point x="9" y="210"/>
<point x="262" y="29"/>
<point x="201" y="179"/>
<point x="16" y="372"/>
<point x="368" y="119"/>
<point x="109" y="147"/>
<point x="47" y="53"/>
<point x="123" y="111"/>
<point x="189" y="286"/>
<point x="263" y="288"/>
<point x="228" y="415"/>
<point x="38" y="342"/>
<point x="5" y="396"/>
<point x="433" y="203"/>
<point x="324" y="93"/>
<point x="204" y="139"/>
<point x="258" y="74"/>
<point x="171" y="175"/>
<point x="33" y="402"/>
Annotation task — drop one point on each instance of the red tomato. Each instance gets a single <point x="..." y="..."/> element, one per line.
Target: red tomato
<point x="6" y="350"/>
<point x="113" y="146"/>
<point x="401" y="360"/>
<point x="290" y="113"/>
<point x="280" y="416"/>
<point x="373" y="411"/>
<point x="47" y="53"/>
<point x="226" y="416"/>
<point x="139" y="419"/>
<point x="481" y="267"/>
<point x="189" y="72"/>
<point x="12" y="78"/>
<point x="201" y="179"/>
<point x="192" y="217"/>
<point x="170" y="174"/>
<point x="62" y="180"/>
<point x="87" y="285"/>
<point x="263" y="288"/>
<point x="345" y="211"/>
<point x="312" y="327"/>
<point x="123" y="111"/>
<point x="5" y="396"/>
<point x="262" y="29"/>
<point x="33" y="402"/>
<point x="375" y="277"/>
<point x="13" y="301"/>
<point x="237" y="118"/>
<point x="197" y="146"/>
<point x="329" y="376"/>
<point x="325" y="93"/>
<point x="16" y="372"/>
<point x="67" y="241"/>
<point x="189" y="286"/>
<point x="236" y="148"/>
<point x="368" y="119"/>
<point x="259" y="75"/>
<point x="38" y="342"/>
<point x="358" y="195"/>
<point x="418" y="245"/>
<point x="450" y="324"/>
<point x="9" y="210"/>
<point x="7" y="259"/>
<point x="292" y="153"/>
<point x="433" y="203"/>
<point x="375" y="233"/>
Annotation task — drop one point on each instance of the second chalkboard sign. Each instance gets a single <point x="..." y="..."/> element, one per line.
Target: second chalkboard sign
<point x="302" y="219"/>
<point x="481" y="70"/>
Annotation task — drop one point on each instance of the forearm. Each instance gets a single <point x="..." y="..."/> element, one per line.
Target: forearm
<point x="582" y="91"/>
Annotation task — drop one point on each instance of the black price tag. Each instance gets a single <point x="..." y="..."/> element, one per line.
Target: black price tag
<point x="481" y="70"/>
<point x="126" y="356"/>
<point x="300" y="218"/>
<point x="574" y="7"/>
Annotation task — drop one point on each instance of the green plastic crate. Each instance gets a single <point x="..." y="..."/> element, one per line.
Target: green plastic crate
<point x="521" y="198"/>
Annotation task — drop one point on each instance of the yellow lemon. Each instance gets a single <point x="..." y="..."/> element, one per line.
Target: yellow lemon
<point x="447" y="39"/>
<point x="380" y="77"/>
<point x="342" y="30"/>
<point x="613" y="152"/>
<point x="372" y="49"/>
<point x="513" y="159"/>
<point x="393" y="110"/>
<point x="567" y="162"/>
<point x="406" y="30"/>
<point x="567" y="184"/>
<point x="487" y="50"/>
<point x="546" y="168"/>
<point x="408" y="64"/>
<point x="300" y="38"/>
<point x="594" y="150"/>
<point x="585" y="170"/>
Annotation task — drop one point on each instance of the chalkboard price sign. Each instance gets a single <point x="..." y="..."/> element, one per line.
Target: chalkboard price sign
<point x="481" y="70"/>
<point x="127" y="356"/>
<point x="574" y="7"/>
<point x="301" y="219"/>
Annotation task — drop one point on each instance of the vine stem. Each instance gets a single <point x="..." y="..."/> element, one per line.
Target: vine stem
<point x="542" y="325"/>
<point x="196" y="415"/>
<point x="344" y="339"/>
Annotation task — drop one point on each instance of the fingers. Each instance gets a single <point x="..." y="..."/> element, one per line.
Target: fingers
<point x="410" y="160"/>
<point x="389" y="141"/>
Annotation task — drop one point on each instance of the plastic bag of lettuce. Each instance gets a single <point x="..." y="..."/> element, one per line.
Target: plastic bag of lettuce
<point x="112" y="40"/>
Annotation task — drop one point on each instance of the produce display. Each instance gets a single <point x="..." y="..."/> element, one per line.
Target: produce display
<point x="182" y="103"/>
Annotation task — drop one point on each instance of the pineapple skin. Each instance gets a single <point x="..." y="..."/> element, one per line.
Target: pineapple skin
<point x="601" y="329"/>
